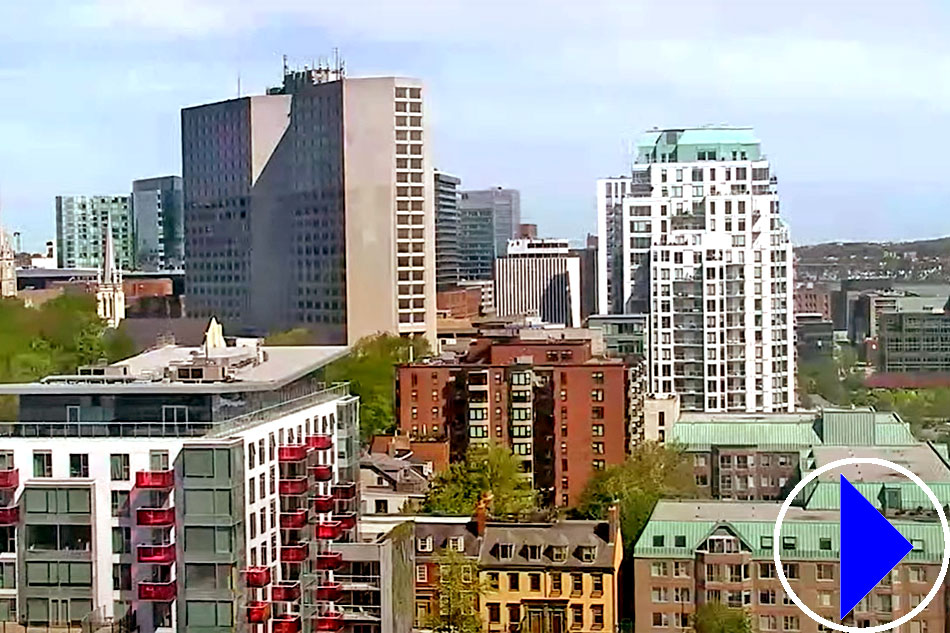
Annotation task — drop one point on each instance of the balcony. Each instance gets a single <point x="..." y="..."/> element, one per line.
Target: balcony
<point x="156" y="553"/>
<point x="286" y="624"/>
<point x="155" y="517"/>
<point x="329" y="530"/>
<point x="258" y="612"/>
<point x="322" y="504"/>
<point x="157" y="591"/>
<point x="294" y="453"/>
<point x="329" y="561"/>
<point x="330" y="621"/>
<point x="286" y="592"/>
<point x="347" y="521"/>
<point x="294" y="553"/>
<point x="294" y="520"/>
<point x="330" y="592"/>
<point x="257" y="576"/>
<point x="9" y="516"/>
<point x="9" y="478"/>
<point x="320" y="442"/>
<point x="322" y="473"/>
<point x="344" y="491"/>
<point x="296" y="486"/>
<point x="155" y="479"/>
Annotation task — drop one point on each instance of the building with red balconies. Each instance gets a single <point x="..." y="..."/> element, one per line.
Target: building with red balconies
<point x="228" y="453"/>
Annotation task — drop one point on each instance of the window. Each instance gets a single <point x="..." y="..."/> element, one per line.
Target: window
<point x="506" y="550"/>
<point x="556" y="583"/>
<point x="494" y="612"/>
<point x="659" y="540"/>
<point x="661" y="620"/>
<point x="577" y="616"/>
<point x="767" y="622"/>
<point x="917" y="574"/>
<point x="597" y="585"/>
<point x="79" y="465"/>
<point x="577" y="584"/>
<point x="791" y="570"/>
<point x="766" y="570"/>
<point x="493" y="580"/>
<point x="679" y="541"/>
<point x="789" y="542"/>
<point x="121" y="540"/>
<point x="202" y="613"/>
<point x="122" y="577"/>
<point x="119" y="467"/>
<point x="680" y="569"/>
<point x="658" y="569"/>
<point x="533" y="552"/>
<point x="42" y="464"/>
<point x="825" y="571"/>
<point x="790" y="623"/>
<point x="534" y="582"/>
<point x="559" y="553"/>
<point x="424" y="544"/>
<point x="514" y="581"/>
<point x="597" y="616"/>
<point x="824" y="544"/>
<point x="767" y="596"/>
<point x="120" y="503"/>
<point x="422" y="574"/>
<point x="587" y="553"/>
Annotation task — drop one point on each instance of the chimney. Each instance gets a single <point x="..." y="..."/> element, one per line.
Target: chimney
<point x="613" y="521"/>
<point x="481" y="513"/>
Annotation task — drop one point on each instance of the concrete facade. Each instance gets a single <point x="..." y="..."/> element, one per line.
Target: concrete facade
<point x="81" y="225"/>
<point x="158" y="210"/>
<point x="539" y="278"/>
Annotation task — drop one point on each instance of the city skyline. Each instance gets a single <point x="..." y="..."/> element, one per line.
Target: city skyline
<point x="547" y="121"/>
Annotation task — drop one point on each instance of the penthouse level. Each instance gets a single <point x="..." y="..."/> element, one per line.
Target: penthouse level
<point x="184" y="488"/>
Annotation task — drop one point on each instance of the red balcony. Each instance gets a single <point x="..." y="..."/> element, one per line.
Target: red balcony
<point x="285" y="592"/>
<point x="330" y="592"/>
<point x="329" y="530"/>
<point x="322" y="473"/>
<point x="9" y="478"/>
<point x="329" y="561"/>
<point x="286" y="624"/>
<point x="296" y="486"/>
<point x="257" y="576"/>
<point x="347" y="521"/>
<point x="293" y="453"/>
<point x="9" y="516"/>
<point x="322" y="504"/>
<point x="156" y="553"/>
<point x="330" y="621"/>
<point x="158" y="591"/>
<point x="155" y="479"/>
<point x="155" y="517"/>
<point x="320" y="442"/>
<point x="294" y="553"/>
<point x="258" y="612"/>
<point x="344" y="491"/>
<point x="294" y="520"/>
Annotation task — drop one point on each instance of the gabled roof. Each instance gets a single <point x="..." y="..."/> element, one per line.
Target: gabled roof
<point x="571" y="534"/>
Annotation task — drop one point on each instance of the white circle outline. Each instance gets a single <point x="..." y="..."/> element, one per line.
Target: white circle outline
<point x="776" y="540"/>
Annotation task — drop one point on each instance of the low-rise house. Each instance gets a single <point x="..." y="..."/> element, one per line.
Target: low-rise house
<point x="390" y="485"/>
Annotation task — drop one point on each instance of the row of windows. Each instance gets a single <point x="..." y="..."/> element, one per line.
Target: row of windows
<point x="514" y="612"/>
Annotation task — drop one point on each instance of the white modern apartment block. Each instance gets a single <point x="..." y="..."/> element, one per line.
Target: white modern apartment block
<point x="539" y="277"/>
<point x="694" y="237"/>
<point x="182" y="489"/>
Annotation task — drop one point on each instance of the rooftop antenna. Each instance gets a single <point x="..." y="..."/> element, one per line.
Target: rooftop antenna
<point x="285" y="64"/>
<point x="239" y="84"/>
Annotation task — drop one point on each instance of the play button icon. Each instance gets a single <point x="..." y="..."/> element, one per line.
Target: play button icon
<point x="870" y="547"/>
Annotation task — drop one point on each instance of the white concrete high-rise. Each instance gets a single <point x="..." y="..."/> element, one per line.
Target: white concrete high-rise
<point x="694" y="237"/>
<point x="539" y="277"/>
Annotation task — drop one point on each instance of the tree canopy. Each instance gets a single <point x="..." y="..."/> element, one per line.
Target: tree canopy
<point x="715" y="617"/>
<point x="494" y="470"/>
<point x="652" y="471"/>
<point x="370" y="369"/>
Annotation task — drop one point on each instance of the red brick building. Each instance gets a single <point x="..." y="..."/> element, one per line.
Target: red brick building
<point x="562" y="411"/>
<point x="812" y="298"/>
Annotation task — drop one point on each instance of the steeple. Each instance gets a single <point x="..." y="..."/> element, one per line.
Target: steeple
<point x="109" y="273"/>
<point x="110" y="296"/>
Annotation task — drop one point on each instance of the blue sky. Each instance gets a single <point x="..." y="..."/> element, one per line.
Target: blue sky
<point x="850" y="98"/>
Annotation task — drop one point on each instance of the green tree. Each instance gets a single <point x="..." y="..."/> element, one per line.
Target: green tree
<point x="296" y="336"/>
<point x="493" y="471"/>
<point x="458" y="591"/>
<point x="652" y="472"/>
<point x="370" y="369"/>
<point x="715" y="617"/>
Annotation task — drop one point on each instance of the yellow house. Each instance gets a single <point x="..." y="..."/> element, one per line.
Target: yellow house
<point x="551" y="577"/>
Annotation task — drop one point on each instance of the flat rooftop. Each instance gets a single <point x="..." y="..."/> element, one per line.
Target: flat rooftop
<point x="920" y="459"/>
<point x="146" y="372"/>
<point x="765" y="511"/>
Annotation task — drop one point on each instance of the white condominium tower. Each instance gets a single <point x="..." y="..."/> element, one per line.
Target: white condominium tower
<point x="694" y="237"/>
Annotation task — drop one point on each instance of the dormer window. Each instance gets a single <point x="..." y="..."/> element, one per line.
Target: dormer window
<point x="533" y="552"/>
<point x="424" y="544"/>
<point x="506" y="551"/>
<point x="558" y="553"/>
<point x="457" y="543"/>
<point x="587" y="553"/>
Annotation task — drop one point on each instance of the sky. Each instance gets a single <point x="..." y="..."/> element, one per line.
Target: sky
<point x="851" y="99"/>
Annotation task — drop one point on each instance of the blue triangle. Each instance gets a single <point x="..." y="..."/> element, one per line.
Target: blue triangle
<point x="870" y="547"/>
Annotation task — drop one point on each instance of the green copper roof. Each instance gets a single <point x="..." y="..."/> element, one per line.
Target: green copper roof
<point x="780" y="435"/>
<point x="719" y="136"/>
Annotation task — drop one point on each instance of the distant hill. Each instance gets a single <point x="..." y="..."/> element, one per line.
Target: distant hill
<point x="937" y="248"/>
<point x="919" y="260"/>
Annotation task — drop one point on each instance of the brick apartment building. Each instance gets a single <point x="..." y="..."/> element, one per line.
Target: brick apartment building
<point x="563" y="411"/>
<point x="812" y="298"/>
<point x="693" y="552"/>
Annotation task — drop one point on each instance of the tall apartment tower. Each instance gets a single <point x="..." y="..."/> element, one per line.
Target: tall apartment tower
<point x="539" y="277"/>
<point x="81" y="225"/>
<point x="488" y="219"/>
<point x="311" y="206"/>
<point x="446" y="230"/>
<point x="159" y="223"/>
<point x="694" y="238"/>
